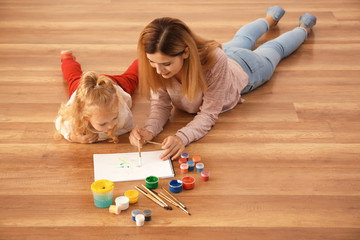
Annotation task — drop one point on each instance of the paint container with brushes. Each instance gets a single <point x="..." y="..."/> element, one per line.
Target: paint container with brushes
<point x="152" y="182"/>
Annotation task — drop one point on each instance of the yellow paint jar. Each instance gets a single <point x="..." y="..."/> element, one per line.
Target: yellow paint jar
<point x="133" y="196"/>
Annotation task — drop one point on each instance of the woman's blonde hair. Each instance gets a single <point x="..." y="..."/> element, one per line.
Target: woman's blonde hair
<point x="94" y="91"/>
<point x="171" y="36"/>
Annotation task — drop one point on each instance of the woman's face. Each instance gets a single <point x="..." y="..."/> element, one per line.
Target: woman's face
<point x="165" y="65"/>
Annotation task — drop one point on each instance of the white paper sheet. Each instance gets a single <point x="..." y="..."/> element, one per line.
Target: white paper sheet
<point x="118" y="167"/>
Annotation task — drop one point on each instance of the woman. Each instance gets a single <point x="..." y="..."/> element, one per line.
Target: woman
<point x="178" y="68"/>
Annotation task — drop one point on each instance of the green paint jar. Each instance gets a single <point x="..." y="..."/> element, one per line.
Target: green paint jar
<point x="152" y="182"/>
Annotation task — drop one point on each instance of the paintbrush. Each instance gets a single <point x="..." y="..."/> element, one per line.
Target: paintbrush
<point x="152" y="142"/>
<point x="151" y="198"/>
<point x="173" y="202"/>
<point x="174" y="198"/>
<point x="140" y="162"/>
<point x="153" y="193"/>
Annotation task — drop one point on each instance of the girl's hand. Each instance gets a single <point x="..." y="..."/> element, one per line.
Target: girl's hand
<point x="173" y="147"/>
<point x="89" y="138"/>
<point x="139" y="134"/>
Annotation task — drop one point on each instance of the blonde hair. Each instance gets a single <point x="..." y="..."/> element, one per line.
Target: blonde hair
<point x="171" y="36"/>
<point x="93" y="91"/>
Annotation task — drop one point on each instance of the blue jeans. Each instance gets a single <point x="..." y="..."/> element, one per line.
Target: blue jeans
<point x="261" y="63"/>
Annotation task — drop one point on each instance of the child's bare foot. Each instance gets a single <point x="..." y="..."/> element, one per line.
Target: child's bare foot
<point x="67" y="54"/>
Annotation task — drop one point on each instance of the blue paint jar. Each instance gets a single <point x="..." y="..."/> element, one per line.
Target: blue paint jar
<point x="199" y="167"/>
<point x="191" y="165"/>
<point x="175" y="186"/>
<point x="134" y="213"/>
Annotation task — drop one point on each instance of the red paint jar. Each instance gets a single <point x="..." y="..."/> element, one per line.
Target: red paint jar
<point x="188" y="182"/>
<point x="205" y="175"/>
<point x="184" y="168"/>
<point x="182" y="160"/>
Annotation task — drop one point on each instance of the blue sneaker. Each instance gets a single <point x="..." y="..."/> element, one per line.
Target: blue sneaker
<point x="275" y="12"/>
<point x="307" y="20"/>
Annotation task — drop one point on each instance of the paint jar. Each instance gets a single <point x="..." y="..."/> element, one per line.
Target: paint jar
<point x="114" y="209"/>
<point x="140" y="218"/>
<point x="191" y="165"/>
<point x="133" y="196"/>
<point x="188" y="182"/>
<point x="147" y="214"/>
<point x="122" y="202"/>
<point x="205" y="175"/>
<point x="199" y="167"/>
<point x="103" y="193"/>
<point x="152" y="182"/>
<point x="184" y="168"/>
<point x="175" y="186"/>
<point x="185" y="155"/>
<point x="196" y="159"/>
<point x="134" y="213"/>
<point x="182" y="160"/>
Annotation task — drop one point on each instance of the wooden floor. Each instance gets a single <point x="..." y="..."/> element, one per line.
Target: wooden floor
<point x="284" y="165"/>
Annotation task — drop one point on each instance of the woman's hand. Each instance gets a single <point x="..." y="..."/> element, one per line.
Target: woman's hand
<point x="173" y="147"/>
<point x="139" y="134"/>
<point x="88" y="138"/>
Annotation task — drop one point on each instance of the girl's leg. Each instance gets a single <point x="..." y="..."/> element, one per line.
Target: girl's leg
<point x="71" y="70"/>
<point x="129" y="79"/>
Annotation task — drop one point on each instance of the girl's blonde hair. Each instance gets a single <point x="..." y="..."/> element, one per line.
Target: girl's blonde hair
<point x="171" y="36"/>
<point x="94" y="91"/>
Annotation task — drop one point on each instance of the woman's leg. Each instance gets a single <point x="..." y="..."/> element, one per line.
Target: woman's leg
<point x="71" y="70"/>
<point x="248" y="35"/>
<point x="251" y="32"/>
<point x="129" y="79"/>
<point x="272" y="52"/>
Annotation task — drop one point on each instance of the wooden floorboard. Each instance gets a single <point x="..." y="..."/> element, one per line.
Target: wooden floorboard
<point x="285" y="164"/>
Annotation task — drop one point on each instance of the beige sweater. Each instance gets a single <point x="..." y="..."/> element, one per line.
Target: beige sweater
<point x="225" y="80"/>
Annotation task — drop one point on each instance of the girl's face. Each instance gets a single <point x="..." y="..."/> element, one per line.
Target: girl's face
<point x="103" y="120"/>
<point x="165" y="65"/>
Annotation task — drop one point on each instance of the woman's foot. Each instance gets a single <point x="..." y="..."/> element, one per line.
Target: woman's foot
<point x="67" y="54"/>
<point x="273" y="15"/>
<point x="307" y="21"/>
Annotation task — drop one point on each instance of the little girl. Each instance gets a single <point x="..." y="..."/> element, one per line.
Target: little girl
<point x="99" y="105"/>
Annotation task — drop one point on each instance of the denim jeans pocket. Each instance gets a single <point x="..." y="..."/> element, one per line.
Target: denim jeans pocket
<point x="252" y="60"/>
